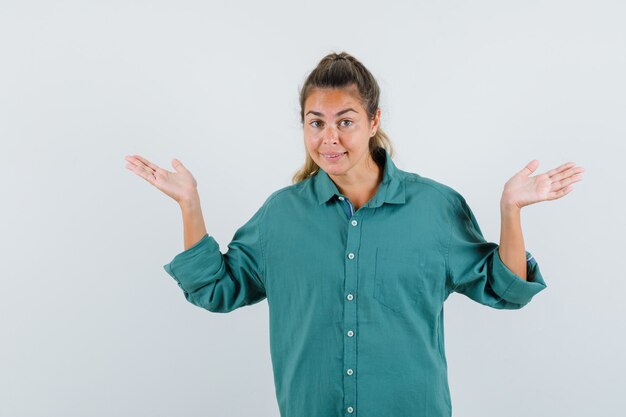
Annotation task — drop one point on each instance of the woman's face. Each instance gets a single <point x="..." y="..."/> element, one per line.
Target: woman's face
<point x="337" y="130"/>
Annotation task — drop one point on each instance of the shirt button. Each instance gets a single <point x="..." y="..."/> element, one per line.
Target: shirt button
<point x="350" y="409"/>
<point x="354" y="222"/>
<point x="349" y="371"/>
<point x="350" y="333"/>
<point x="341" y="198"/>
<point x="350" y="297"/>
<point x="351" y="255"/>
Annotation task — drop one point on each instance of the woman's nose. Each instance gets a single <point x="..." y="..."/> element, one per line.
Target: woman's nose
<point x="330" y="135"/>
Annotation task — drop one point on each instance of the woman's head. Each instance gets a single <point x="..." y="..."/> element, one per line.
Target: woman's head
<point x="339" y="83"/>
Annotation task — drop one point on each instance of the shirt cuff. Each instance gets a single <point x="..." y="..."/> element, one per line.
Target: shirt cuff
<point x="187" y="262"/>
<point x="512" y="287"/>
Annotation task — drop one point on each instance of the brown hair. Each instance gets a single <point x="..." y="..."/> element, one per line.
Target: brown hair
<point x="339" y="71"/>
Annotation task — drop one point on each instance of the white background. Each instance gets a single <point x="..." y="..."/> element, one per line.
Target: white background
<point x="91" y="324"/>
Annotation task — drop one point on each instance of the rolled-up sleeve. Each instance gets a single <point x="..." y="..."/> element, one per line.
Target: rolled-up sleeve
<point x="223" y="282"/>
<point x="475" y="269"/>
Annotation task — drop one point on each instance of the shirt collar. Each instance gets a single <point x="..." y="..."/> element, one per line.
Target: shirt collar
<point x="390" y="190"/>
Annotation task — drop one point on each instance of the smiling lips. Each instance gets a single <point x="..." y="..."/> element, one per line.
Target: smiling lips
<point x="332" y="156"/>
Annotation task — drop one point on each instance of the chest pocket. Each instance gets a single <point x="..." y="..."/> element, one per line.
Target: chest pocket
<point x="403" y="279"/>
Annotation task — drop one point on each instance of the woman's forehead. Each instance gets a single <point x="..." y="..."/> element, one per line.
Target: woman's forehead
<point x="331" y="99"/>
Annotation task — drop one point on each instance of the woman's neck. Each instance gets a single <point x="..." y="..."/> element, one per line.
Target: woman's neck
<point x="361" y="187"/>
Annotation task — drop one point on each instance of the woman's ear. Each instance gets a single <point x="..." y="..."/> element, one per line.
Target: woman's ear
<point x="375" y="122"/>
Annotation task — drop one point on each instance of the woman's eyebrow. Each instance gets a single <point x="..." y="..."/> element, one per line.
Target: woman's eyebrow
<point x="338" y="113"/>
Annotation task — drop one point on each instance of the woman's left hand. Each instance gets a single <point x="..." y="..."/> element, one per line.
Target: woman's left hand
<point x="522" y="189"/>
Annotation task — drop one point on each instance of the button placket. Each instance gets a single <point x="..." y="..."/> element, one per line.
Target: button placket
<point x="350" y="308"/>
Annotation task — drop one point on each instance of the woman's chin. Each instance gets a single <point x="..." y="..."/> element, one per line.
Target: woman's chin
<point x="333" y="166"/>
<point x="334" y="170"/>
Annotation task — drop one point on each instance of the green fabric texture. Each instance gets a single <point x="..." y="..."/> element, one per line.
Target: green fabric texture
<point x="356" y="302"/>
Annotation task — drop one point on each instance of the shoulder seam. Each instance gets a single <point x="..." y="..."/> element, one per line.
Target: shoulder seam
<point x="450" y="221"/>
<point x="413" y="178"/>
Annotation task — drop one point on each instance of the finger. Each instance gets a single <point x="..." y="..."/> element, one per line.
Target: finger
<point x="178" y="166"/>
<point x="566" y="183"/>
<point x="143" y="169"/>
<point x="139" y="167"/>
<point x="151" y="168"/>
<point x="566" y="190"/>
<point x="560" y="168"/>
<point x="574" y="178"/>
<point x="136" y="162"/>
<point x="149" y="164"/>
<point x="148" y="176"/>
<point x="568" y="173"/>
<point x="560" y="193"/>
<point x="530" y="167"/>
<point x="567" y="180"/>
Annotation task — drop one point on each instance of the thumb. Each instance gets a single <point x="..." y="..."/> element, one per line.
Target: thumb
<point x="178" y="166"/>
<point x="530" y="167"/>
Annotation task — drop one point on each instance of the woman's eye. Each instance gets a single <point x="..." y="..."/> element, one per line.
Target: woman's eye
<point x="317" y="123"/>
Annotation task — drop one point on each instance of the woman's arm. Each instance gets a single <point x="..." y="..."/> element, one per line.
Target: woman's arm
<point x="179" y="185"/>
<point x="193" y="221"/>
<point x="475" y="268"/>
<point x="522" y="190"/>
<point x="511" y="248"/>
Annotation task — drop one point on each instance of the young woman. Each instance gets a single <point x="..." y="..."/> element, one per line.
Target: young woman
<point x="356" y="259"/>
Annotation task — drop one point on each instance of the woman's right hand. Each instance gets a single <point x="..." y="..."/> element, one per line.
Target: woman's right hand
<point x="179" y="185"/>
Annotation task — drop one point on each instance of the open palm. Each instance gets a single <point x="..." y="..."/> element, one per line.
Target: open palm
<point x="179" y="185"/>
<point x="522" y="189"/>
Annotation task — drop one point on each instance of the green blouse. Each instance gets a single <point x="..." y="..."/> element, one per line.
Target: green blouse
<point x="356" y="297"/>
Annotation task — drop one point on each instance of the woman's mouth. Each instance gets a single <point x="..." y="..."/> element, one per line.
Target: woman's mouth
<point x="333" y="156"/>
